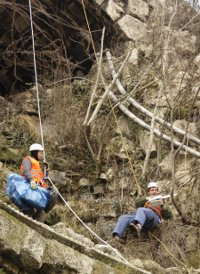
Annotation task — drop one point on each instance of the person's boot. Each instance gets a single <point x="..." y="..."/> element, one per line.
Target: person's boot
<point x="137" y="228"/>
<point x="29" y="212"/>
<point x="40" y="216"/>
<point x="117" y="239"/>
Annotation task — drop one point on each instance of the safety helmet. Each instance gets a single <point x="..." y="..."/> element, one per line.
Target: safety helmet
<point x="36" y="147"/>
<point x="152" y="184"/>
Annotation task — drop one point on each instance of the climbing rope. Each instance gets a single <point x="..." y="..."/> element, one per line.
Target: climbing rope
<point x="84" y="224"/>
<point x="42" y="140"/>
<point x="36" y="78"/>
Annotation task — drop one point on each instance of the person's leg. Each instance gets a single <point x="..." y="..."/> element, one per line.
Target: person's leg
<point x="146" y="215"/>
<point x="52" y="199"/>
<point x="39" y="216"/>
<point x="29" y="212"/>
<point x="122" y="223"/>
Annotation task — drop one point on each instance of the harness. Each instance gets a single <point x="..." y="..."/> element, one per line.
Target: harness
<point x="158" y="209"/>
<point x="36" y="171"/>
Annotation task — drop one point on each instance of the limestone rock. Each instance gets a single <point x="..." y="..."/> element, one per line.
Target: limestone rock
<point x="60" y="164"/>
<point x="119" y="147"/>
<point x="84" y="182"/>
<point x="197" y="60"/>
<point x="93" y="209"/>
<point x="133" y="28"/>
<point x="133" y="59"/>
<point x="99" y="2"/>
<point x="138" y="8"/>
<point x="113" y="10"/>
<point x="110" y="173"/>
<point x="99" y="189"/>
<point x="184" y="42"/>
<point x="144" y="143"/>
<point x="58" y="177"/>
<point x="181" y="163"/>
<point x="67" y="231"/>
<point x="29" y="100"/>
<point x="7" y="109"/>
<point x="154" y="267"/>
<point x="103" y="177"/>
<point x="123" y="127"/>
<point x="106" y="249"/>
<point x="33" y="252"/>
<point x="180" y="80"/>
<point x="192" y="129"/>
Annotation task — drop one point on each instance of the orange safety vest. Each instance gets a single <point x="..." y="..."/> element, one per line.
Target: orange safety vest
<point x="36" y="171"/>
<point x="158" y="209"/>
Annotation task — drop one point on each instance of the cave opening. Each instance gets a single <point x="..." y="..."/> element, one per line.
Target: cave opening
<point x="62" y="42"/>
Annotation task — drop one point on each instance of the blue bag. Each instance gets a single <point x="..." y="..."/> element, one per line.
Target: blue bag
<point x="21" y="194"/>
<point x="14" y="195"/>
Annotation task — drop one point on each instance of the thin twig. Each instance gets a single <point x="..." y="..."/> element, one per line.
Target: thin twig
<point x="107" y="91"/>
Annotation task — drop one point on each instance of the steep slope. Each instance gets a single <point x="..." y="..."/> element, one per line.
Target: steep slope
<point x="101" y="181"/>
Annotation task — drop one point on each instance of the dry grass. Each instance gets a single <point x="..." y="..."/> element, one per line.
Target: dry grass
<point x="63" y="113"/>
<point x="24" y="129"/>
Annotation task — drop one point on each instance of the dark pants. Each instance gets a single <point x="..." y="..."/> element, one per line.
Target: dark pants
<point x="37" y="214"/>
<point x="52" y="200"/>
<point x="40" y="215"/>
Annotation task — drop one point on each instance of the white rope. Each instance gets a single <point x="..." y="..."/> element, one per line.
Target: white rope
<point x="100" y="239"/>
<point x="36" y="79"/>
<point x="42" y="140"/>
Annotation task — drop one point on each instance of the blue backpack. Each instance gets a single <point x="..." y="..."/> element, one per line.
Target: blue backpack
<point x="22" y="195"/>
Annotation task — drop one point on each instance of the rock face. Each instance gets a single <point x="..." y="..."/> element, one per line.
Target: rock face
<point x="48" y="250"/>
<point x="29" y="246"/>
<point x="133" y="28"/>
<point x="161" y="60"/>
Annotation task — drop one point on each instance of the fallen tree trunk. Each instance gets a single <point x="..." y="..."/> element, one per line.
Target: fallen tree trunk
<point x="147" y="127"/>
<point x="134" y="103"/>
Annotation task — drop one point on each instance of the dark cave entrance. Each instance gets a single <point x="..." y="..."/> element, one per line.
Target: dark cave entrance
<point x="62" y="42"/>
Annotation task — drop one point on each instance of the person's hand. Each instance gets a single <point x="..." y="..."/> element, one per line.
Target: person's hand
<point x="46" y="164"/>
<point x="33" y="184"/>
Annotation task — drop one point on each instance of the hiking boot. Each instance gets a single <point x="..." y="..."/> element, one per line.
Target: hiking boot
<point x="39" y="216"/>
<point x="137" y="228"/>
<point x="117" y="239"/>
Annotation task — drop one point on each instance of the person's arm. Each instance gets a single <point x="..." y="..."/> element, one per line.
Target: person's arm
<point x="140" y="202"/>
<point x="26" y="163"/>
<point x="167" y="213"/>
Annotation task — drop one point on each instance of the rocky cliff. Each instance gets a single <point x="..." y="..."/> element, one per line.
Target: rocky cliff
<point x="147" y="128"/>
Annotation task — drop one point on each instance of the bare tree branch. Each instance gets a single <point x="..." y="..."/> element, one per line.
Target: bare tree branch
<point x="134" y="103"/>
<point x="107" y="91"/>
<point x="147" y="127"/>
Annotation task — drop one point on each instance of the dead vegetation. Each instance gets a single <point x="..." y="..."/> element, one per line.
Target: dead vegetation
<point x="64" y="108"/>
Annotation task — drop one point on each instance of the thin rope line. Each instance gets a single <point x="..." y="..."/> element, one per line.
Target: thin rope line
<point x="42" y="139"/>
<point x="36" y="79"/>
<point x="115" y="250"/>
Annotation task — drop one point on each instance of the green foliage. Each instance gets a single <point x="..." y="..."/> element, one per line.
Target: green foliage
<point x="2" y="271"/>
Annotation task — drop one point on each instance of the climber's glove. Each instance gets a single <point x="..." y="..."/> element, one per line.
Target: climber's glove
<point x="33" y="184"/>
<point x="46" y="165"/>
